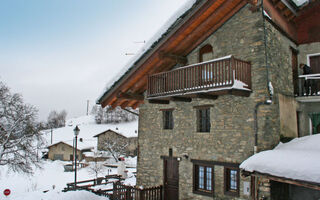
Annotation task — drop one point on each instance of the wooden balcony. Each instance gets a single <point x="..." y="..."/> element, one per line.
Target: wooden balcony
<point x="214" y="77"/>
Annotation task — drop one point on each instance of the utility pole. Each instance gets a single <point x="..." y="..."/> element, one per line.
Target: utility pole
<point x="87" y="107"/>
<point x="51" y="134"/>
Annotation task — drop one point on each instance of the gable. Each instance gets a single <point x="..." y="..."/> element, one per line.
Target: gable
<point x="188" y="32"/>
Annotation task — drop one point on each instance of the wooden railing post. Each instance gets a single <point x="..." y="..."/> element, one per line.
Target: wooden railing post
<point x="142" y="194"/>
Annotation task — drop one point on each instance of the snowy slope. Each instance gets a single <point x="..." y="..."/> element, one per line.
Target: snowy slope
<point x="88" y="129"/>
<point x="298" y="159"/>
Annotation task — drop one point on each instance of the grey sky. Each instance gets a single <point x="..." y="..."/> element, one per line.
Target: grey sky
<point x="60" y="54"/>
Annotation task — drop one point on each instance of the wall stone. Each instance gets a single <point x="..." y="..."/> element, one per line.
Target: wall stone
<point x="231" y="138"/>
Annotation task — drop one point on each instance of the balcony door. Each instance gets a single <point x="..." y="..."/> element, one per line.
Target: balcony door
<point x="294" y="63"/>
<point x="314" y="62"/>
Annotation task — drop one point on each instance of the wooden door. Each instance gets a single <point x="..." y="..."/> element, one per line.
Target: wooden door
<point x="171" y="178"/>
<point x="294" y="63"/>
<point x="315" y="64"/>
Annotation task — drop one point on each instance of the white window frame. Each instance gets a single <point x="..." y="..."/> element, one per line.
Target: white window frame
<point x="310" y="55"/>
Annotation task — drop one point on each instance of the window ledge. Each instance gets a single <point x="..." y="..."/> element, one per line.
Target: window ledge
<point x="209" y="194"/>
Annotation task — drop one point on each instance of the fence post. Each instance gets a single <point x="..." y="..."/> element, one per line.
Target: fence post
<point x="161" y="197"/>
<point x="142" y="194"/>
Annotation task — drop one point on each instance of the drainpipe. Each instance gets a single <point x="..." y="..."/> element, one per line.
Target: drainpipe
<point x="266" y="102"/>
<point x="269" y="85"/>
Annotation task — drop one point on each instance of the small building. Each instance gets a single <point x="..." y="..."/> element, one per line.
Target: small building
<point x="114" y="135"/>
<point x="289" y="171"/>
<point x="64" y="150"/>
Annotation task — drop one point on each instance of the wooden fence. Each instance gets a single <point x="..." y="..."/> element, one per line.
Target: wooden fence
<point x="124" y="192"/>
<point x="92" y="182"/>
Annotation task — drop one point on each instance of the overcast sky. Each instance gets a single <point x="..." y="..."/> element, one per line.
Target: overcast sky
<point x="60" y="53"/>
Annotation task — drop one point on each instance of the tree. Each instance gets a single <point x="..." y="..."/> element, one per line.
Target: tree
<point x="116" y="147"/>
<point x="56" y="120"/>
<point x="20" y="137"/>
<point x="96" y="167"/>
<point x="109" y="115"/>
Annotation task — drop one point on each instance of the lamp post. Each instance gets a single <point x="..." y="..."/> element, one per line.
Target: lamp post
<point x="76" y="131"/>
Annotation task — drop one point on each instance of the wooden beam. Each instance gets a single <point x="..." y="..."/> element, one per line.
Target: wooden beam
<point x="131" y="96"/>
<point x="242" y="93"/>
<point x="206" y="96"/>
<point x="134" y="106"/>
<point x="124" y="104"/>
<point x="315" y="186"/>
<point x="157" y="101"/>
<point x="183" y="99"/>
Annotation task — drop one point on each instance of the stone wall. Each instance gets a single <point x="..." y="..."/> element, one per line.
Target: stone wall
<point x="279" y="62"/>
<point x="231" y="137"/>
<point x="63" y="149"/>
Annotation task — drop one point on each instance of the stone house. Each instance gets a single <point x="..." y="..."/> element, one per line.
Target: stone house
<point x="64" y="151"/>
<point x="132" y="142"/>
<point x="221" y="84"/>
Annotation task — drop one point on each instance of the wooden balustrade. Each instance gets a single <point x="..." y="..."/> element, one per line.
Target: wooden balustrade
<point x="124" y="192"/>
<point x="201" y="77"/>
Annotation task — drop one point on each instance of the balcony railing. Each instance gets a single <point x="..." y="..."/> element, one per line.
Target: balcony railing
<point x="309" y="85"/>
<point x="219" y="74"/>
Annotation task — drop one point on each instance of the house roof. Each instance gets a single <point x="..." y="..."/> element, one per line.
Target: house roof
<point x="297" y="160"/>
<point x="109" y="130"/>
<point x="80" y="145"/>
<point x="185" y="33"/>
<point x="198" y="21"/>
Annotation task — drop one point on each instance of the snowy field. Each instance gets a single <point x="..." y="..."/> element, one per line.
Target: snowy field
<point x="52" y="175"/>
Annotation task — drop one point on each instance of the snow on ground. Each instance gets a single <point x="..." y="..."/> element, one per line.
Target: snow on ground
<point x="52" y="173"/>
<point x="298" y="159"/>
<point x="58" y="195"/>
<point x="88" y="129"/>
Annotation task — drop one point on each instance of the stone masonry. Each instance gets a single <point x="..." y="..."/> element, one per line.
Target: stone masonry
<point x="231" y="137"/>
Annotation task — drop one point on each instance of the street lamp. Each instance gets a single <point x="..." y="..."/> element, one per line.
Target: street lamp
<point x="76" y="131"/>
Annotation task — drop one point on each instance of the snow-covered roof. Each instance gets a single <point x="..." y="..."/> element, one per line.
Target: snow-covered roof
<point x="88" y="129"/>
<point x="298" y="159"/>
<point x="162" y="32"/>
<point x="80" y="145"/>
<point x="121" y="131"/>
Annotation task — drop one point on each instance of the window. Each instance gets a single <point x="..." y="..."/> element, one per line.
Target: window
<point x="203" y="119"/>
<point x="203" y="179"/>
<point x="205" y="53"/>
<point x="167" y="119"/>
<point x="231" y="179"/>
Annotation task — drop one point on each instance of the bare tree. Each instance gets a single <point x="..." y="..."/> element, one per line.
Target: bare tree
<point x="116" y="147"/>
<point x="109" y="115"/>
<point x="56" y="120"/>
<point x="19" y="133"/>
<point x="96" y="167"/>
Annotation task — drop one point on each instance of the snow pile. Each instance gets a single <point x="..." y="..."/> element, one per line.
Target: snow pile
<point x="298" y="159"/>
<point x="51" y="176"/>
<point x="58" y="195"/>
<point x="151" y="43"/>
